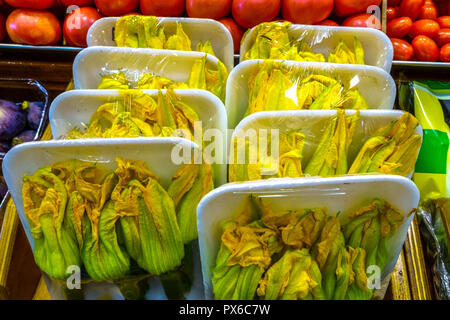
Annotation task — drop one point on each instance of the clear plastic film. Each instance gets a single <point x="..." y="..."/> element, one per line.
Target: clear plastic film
<point x="130" y="68"/>
<point x="434" y="218"/>
<point x="183" y="34"/>
<point x="91" y="194"/>
<point x="196" y="115"/>
<point x="323" y="238"/>
<point x="259" y="85"/>
<point x="277" y="144"/>
<point x="286" y="41"/>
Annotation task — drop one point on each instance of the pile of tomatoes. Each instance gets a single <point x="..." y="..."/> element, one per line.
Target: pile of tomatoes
<point x="419" y="29"/>
<point x="47" y="22"/>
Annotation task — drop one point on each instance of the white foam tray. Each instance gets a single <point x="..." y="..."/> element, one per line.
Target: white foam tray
<point x="376" y="85"/>
<point x="312" y="123"/>
<point x="323" y="39"/>
<point x="74" y="108"/>
<point x="101" y="34"/>
<point x="155" y="152"/>
<point x="91" y="62"/>
<point x="336" y="194"/>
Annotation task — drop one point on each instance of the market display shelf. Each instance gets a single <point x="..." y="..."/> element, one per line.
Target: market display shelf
<point x="420" y="64"/>
<point x="38" y="49"/>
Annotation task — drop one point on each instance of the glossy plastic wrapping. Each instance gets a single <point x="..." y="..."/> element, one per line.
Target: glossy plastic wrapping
<point x="74" y="109"/>
<point x="258" y="85"/>
<point x="338" y="194"/>
<point x="311" y="126"/>
<point x="434" y="217"/>
<point x="101" y="33"/>
<point x="378" y="50"/>
<point x="94" y="63"/>
<point x="156" y="153"/>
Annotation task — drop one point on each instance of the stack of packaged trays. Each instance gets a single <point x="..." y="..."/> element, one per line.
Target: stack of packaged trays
<point x="261" y="106"/>
<point x="164" y="155"/>
<point x="161" y="152"/>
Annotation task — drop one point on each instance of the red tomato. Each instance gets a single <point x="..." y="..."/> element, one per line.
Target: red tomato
<point x="443" y="37"/>
<point x="162" y="8"/>
<point x="327" y="22"/>
<point x="399" y="27"/>
<point x="249" y="13"/>
<point x="344" y="8"/>
<point x="410" y="8"/>
<point x="116" y="7"/>
<point x="402" y="49"/>
<point x="445" y="53"/>
<point x="77" y="24"/>
<point x="33" y="27"/>
<point x="393" y="3"/>
<point x="207" y="8"/>
<point x="425" y="49"/>
<point x="2" y="27"/>
<point x="391" y="13"/>
<point x="236" y="32"/>
<point x="428" y="11"/>
<point x="80" y="3"/>
<point x="444" y="21"/>
<point x="306" y="11"/>
<point x="363" y="20"/>
<point x="424" y="27"/>
<point x="31" y="4"/>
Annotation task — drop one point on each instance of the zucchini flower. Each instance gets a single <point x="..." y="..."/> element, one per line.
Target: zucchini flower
<point x="205" y="47"/>
<point x="343" y="54"/>
<point x="106" y="113"/>
<point x="390" y="220"/>
<point x="189" y="185"/>
<point x="308" y="92"/>
<point x="56" y="245"/>
<point x="140" y="105"/>
<point x="152" y="81"/>
<point x="115" y="80"/>
<point x="291" y="150"/>
<point x="344" y="274"/>
<point x="330" y="158"/>
<point x="358" y="289"/>
<point x="245" y="253"/>
<point x="330" y="98"/>
<point x="126" y="31"/>
<point x="147" y="218"/>
<point x="202" y="77"/>
<point x="271" y="41"/>
<point x="125" y="125"/>
<point x="294" y="277"/>
<point x="353" y="229"/>
<point x="328" y="254"/>
<point x="276" y="92"/>
<point x="353" y="99"/>
<point x="139" y="32"/>
<point x="179" y="41"/>
<point x="392" y="149"/>
<point x="102" y="255"/>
